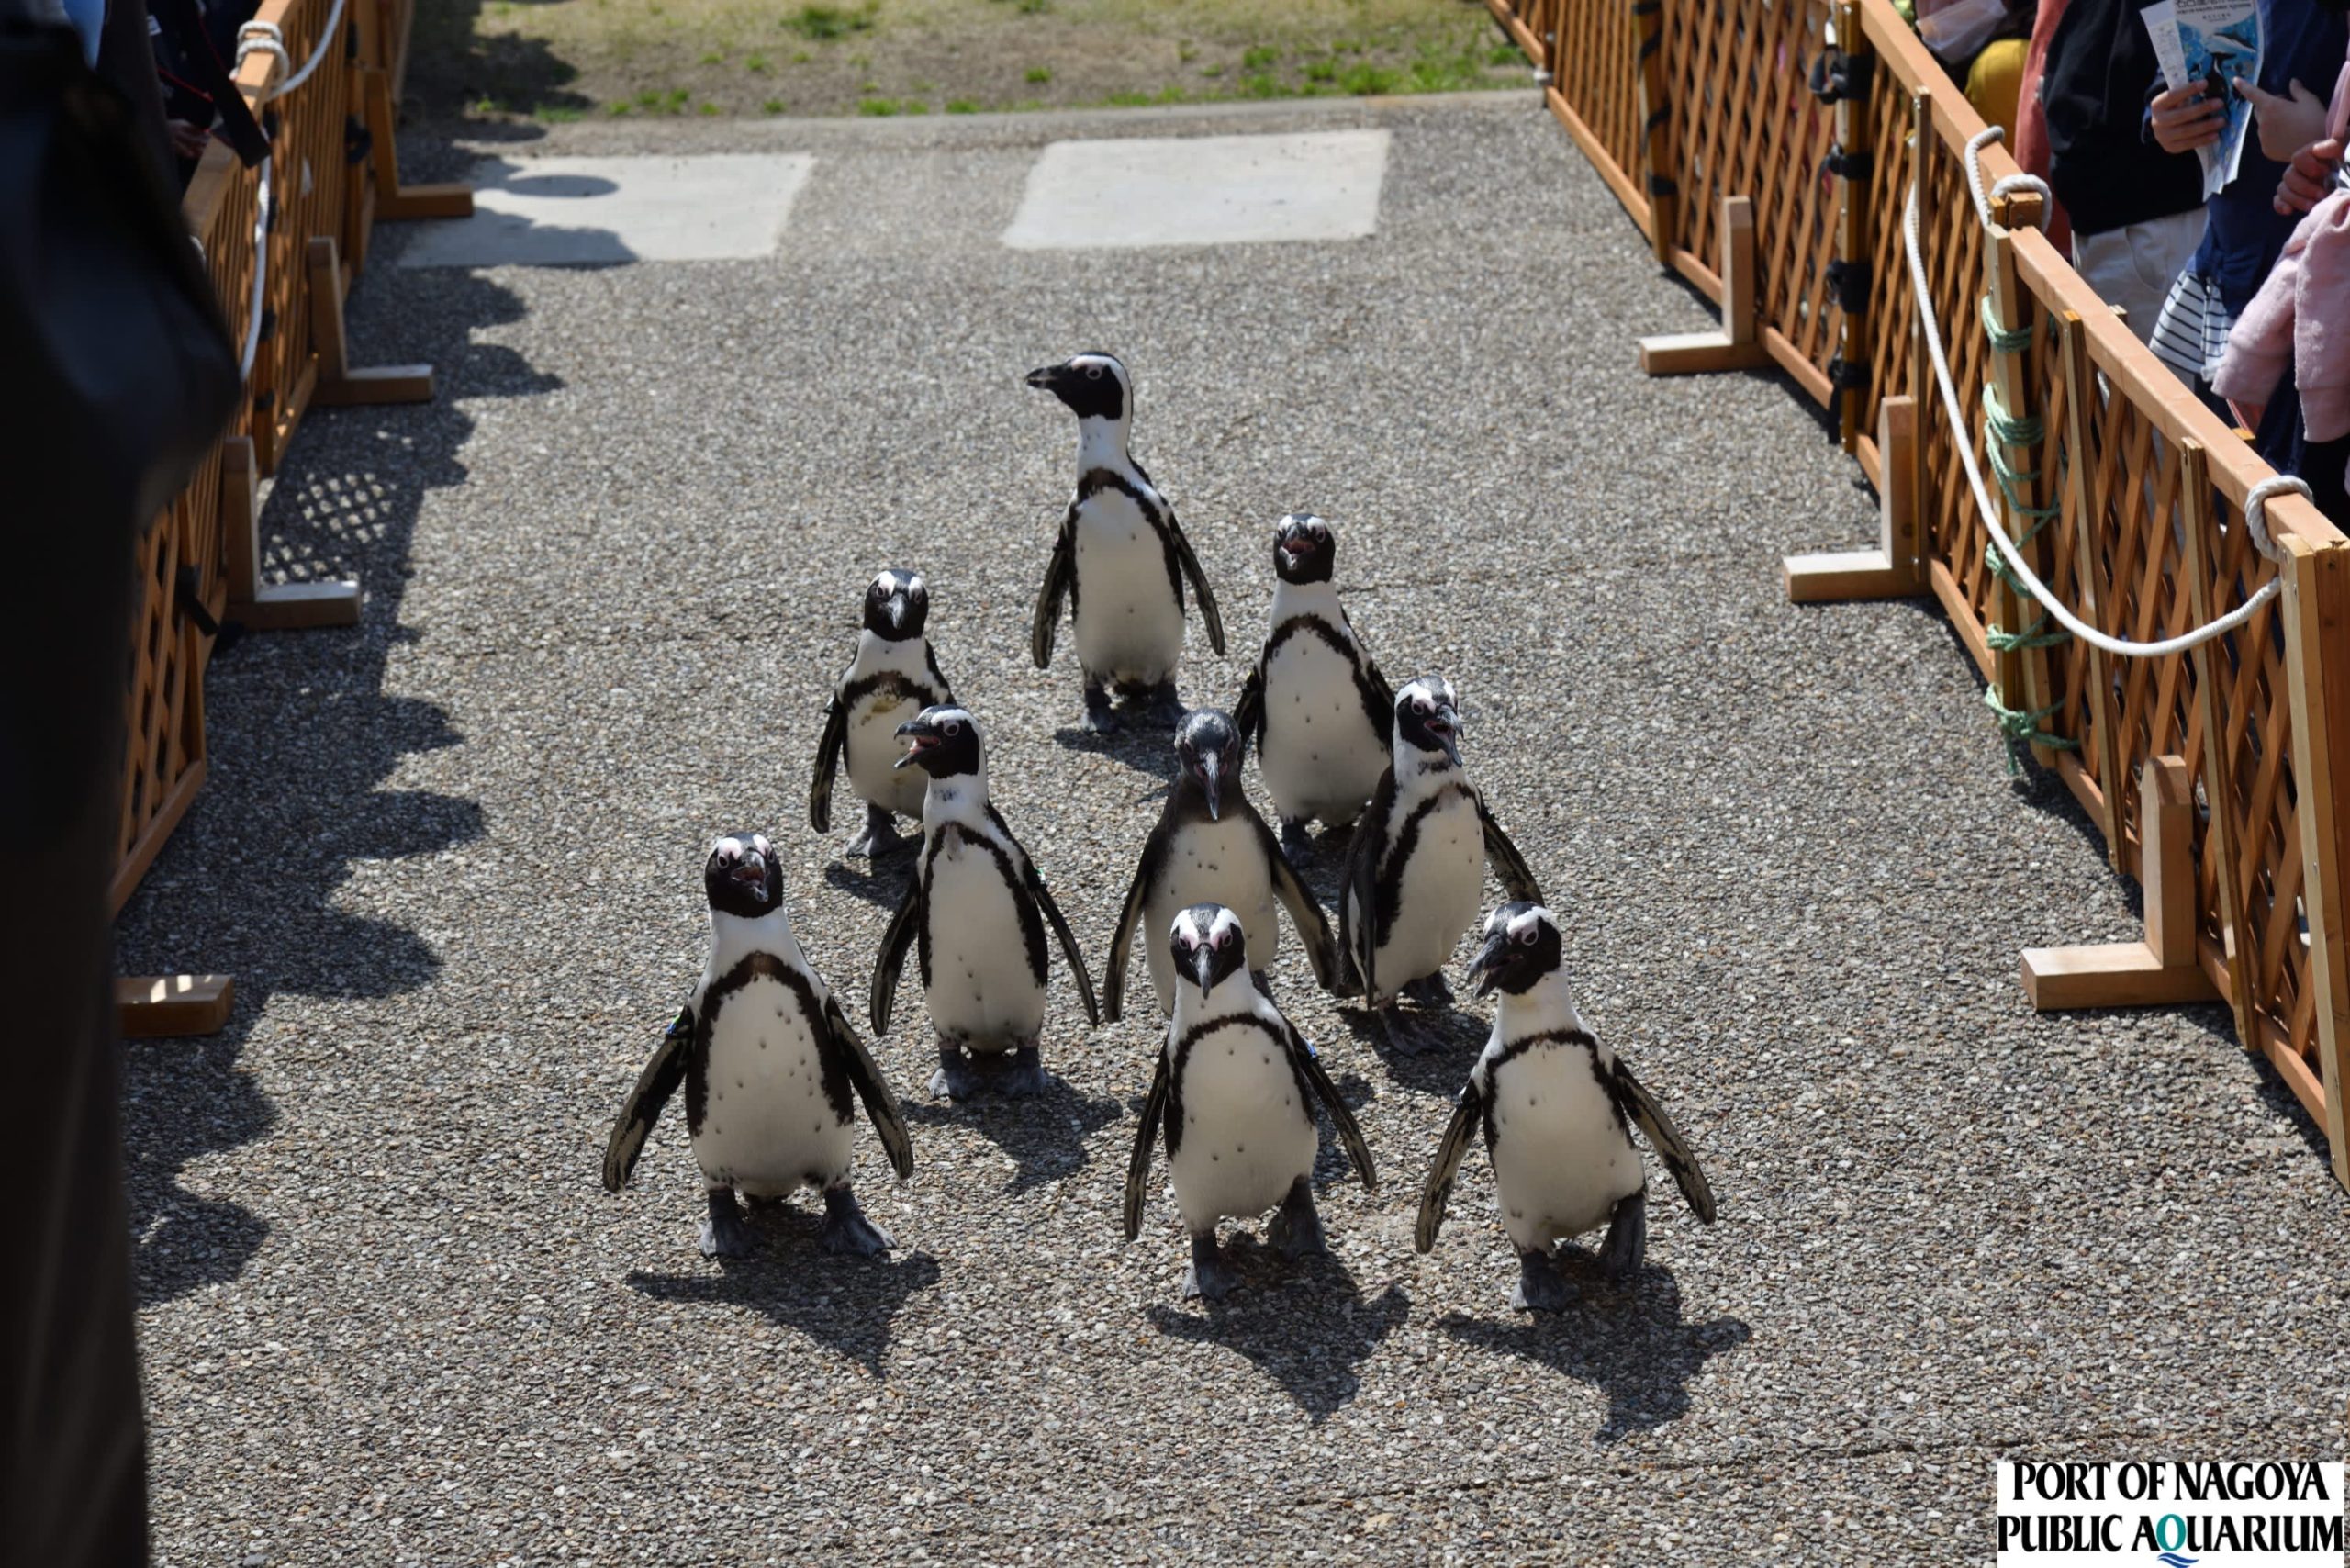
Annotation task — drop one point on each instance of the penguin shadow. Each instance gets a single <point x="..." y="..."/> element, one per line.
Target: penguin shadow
<point x="1306" y="1324"/>
<point x="1044" y="1136"/>
<point x="1428" y="1049"/>
<point x="1625" y="1338"/>
<point x="846" y="1305"/>
<point x="882" y="882"/>
<point x="1144" y="746"/>
<point x="182" y="1099"/>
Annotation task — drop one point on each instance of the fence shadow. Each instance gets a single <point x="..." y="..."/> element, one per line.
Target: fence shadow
<point x="302" y="735"/>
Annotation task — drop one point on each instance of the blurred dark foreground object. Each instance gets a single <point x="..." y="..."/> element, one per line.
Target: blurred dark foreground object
<point x="116" y="373"/>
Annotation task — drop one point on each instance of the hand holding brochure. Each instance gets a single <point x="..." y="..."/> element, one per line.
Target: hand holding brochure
<point x="2210" y="43"/>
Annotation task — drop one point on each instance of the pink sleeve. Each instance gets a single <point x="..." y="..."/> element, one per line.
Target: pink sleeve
<point x="2260" y="345"/>
<point x="2321" y="320"/>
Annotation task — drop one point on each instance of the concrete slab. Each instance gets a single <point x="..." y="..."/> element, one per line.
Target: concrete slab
<point x="598" y="212"/>
<point x="1201" y="190"/>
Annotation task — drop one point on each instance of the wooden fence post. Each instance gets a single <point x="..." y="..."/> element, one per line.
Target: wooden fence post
<point x="1738" y="344"/>
<point x="2104" y="721"/>
<point x="1855" y="289"/>
<point x="2165" y="968"/>
<point x="2317" y="633"/>
<point x="268" y="606"/>
<point x="393" y="200"/>
<point x="2020" y="669"/>
<point x="339" y="386"/>
<point x="2197" y="539"/>
<point x="1662" y="181"/>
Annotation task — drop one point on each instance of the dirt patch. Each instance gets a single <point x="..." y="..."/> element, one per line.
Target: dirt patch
<point x="558" y="59"/>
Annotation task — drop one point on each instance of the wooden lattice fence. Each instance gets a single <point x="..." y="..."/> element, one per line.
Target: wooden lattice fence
<point x="1812" y="124"/>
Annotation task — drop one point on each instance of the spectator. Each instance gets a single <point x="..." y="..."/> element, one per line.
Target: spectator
<point x="2030" y="141"/>
<point x="2137" y="211"/>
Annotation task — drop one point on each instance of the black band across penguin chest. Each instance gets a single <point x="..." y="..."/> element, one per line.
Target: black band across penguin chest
<point x="1092" y="483"/>
<point x="763" y="966"/>
<point x="1578" y="1038"/>
<point x="1374" y="707"/>
<point x="883" y="685"/>
<point x="1404" y="841"/>
<point x="1198" y="1032"/>
<point x="954" y="835"/>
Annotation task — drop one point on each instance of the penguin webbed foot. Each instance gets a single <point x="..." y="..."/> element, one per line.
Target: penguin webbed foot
<point x="1540" y="1287"/>
<point x="1430" y="992"/>
<point x="957" y="1077"/>
<point x="1101" y="713"/>
<point x="880" y="836"/>
<point x="1627" y="1238"/>
<point x="1295" y="1230"/>
<point x="1206" y="1278"/>
<point x="962" y="1075"/>
<point x="1025" y="1077"/>
<point x="1297" y="843"/>
<point x="725" y="1234"/>
<point x="845" y="1229"/>
<point x="1163" y="706"/>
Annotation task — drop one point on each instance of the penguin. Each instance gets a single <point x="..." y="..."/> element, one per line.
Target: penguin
<point x="978" y="910"/>
<point x="1121" y="557"/>
<point x="1315" y="707"/>
<point x="769" y="1064"/>
<point x="1558" y="1109"/>
<point x="1236" y="1085"/>
<point x="1415" y="869"/>
<point x="894" y="669"/>
<point x="1210" y="846"/>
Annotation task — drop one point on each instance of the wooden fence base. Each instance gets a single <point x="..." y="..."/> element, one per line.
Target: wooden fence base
<point x="339" y="386"/>
<point x="2164" y="968"/>
<point x="1889" y="571"/>
<point x="1737" y="346"/>
<point x="268" y="606"/>
<point x="150" y="1007"/>
<point x="393" y="200"/>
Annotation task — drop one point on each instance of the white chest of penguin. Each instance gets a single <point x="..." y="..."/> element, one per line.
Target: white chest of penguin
<point x="1561" y="1158"/>
<point x="1321" y="758"/>
<point x="1129" y="626"/>
<point x="980" y="984"/>
<point x="874" y="750"/>
<point x="766" y="1126"/>
<point x="1212" y="862"/>
<point x="1440" y="890"/>
<point x="1245" y="1138"/>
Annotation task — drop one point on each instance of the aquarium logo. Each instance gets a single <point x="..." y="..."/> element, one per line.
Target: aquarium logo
<point x="2170" y="1514"/>
<point x="2173" y="1560"/>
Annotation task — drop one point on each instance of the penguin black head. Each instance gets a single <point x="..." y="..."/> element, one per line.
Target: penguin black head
<point x="743" y="875"/>
<point x="897" y="607"/>
<point x="1304" y="549"/>
<point x="1208" y="945"/>
<point x="1522" y="946"/>
<point x="1207" y="747"/>
<point x="1428" y="718"/>
<point x="943" y="742"/>
<point x="1093" y="384"/>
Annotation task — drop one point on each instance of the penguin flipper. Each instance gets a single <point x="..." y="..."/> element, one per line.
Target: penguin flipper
<point x="643" y="1108"/>
<point x="1330" y="971"/>
<point x="1059" y="573"/>
<point x="1667" y="1139"/>
<point x="1517" y="877"/>
<point x="1191" y="563"/>
<point x="1068" y="940"/>
<point x="1359" y="883"/>
<point x="865" y="1076"/>
<point x="828" y="763"/>
<point x="895" y="940"/>
<point x="1449" y="1151"/>
<point x="1248" y="714"/>
<point x="1318" y="1079"/>
<point x="1378" y="696"/>
<point x="1154" y="1108"/>
<point x="1122" y="941"/>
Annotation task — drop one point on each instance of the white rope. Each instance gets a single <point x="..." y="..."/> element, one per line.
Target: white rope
<point x="268" y="38"/>
<point x="260" y="276"/>
<point x="2255" y="523"/>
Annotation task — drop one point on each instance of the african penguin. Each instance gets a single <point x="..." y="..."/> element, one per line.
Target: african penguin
<point x="1236" y="1085"/>
<point x="1558" y="1109"/>
<point x="894" y="671"/>
<point x="1316" y="708"/>
<point x="769" y="1064"/>
<point x="1415" y="868"/>
<point x="1210" y="846"/>
<point x="978" y="910"/>
<point x="1121" y="557"/>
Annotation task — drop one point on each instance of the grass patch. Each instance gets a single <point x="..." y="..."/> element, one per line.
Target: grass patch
<point x="961" y="107"/>
<point x="1366" y="80"/>
<point x="1040" y="73"/>
<point x="772" y="106"/>
<point x="757" y="65"/>
<point x="557" y="114"/>
<point x="1258" y="56"/>
<point x="825" y="23"/>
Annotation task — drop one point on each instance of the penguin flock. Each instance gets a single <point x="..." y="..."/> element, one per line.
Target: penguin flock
<point x="775" y="1073"/>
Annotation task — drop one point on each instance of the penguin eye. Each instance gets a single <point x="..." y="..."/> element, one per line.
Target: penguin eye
<point x="1526" y="937"/>
<point x="1093" y="372"/>
<point x="953" y="727"/>
<point x="1419" y="706"/>
<point x="1223" y="939"/>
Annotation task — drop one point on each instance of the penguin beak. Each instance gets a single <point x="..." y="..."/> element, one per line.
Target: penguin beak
<point x="899" y="604"/>
<point x="918" y="738"/>
<point x="1204" y="967"/>
<point x="1444" y="724"/>
<point x="1048" y="378"/>
<point x="1486" y="969"/>
<point x="750" y="871"/>
<point x="1212" y="778"/>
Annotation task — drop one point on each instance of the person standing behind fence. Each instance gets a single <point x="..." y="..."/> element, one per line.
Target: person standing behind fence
<point x="2137" y="211"/>
<point x="2302" y="40"/>
<point x="2030" y="140"/>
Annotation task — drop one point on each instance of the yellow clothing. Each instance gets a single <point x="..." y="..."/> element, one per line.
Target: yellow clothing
<point x="1994" y="82"/>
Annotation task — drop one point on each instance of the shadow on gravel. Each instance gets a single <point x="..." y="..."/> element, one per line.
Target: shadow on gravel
<point x="882" y="886"/>
<point x="1143" y="747"/>
<point x="1306" y="1325"/>
<point x="302" y="737"/>
<point x="1044" y="1136"/>
<point x="1626" y="1340"/>
<point x="845" y="1304"/>
<point x="1429" y="1051"/>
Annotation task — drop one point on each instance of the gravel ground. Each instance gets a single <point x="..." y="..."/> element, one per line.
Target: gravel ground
<point x="451" y="858"/>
